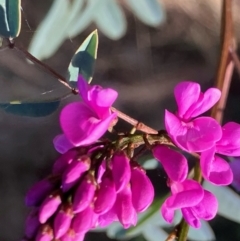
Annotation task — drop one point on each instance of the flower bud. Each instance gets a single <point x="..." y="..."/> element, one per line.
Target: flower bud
<point x="84" y="194"/>
<point x="62" y="221"/>
<point x="124" y="208"/>
<point x="45" y="233"/>
<point x="63" y="161"/>
<point x="48" y="207"/>
<point x="108" y="217"/>
<point x="32" y="224"/>
<point x="121" y="170"/>
<point x="106" y="194"/>
<point x="83" y="221"/>
<point x="74" y="172"/>
<point x="39" y="191"/>
<point x="142" y="190"/>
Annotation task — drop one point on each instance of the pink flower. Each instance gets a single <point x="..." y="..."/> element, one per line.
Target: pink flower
<point x="193" y="135"/>
<point x="215" y="169"/>
<point x="83" y="123"/>
<point x="194" y="202"/>
<point x="173" y="162"/>
<point x="229" y="144"/>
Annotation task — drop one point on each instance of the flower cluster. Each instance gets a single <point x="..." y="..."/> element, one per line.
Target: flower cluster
<point x="73" y="200"/>
<point x="196" y="134"/>
<point x="94" y="183"/>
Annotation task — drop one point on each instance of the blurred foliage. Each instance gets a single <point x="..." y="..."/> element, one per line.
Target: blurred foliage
<point x="77" y="15"/>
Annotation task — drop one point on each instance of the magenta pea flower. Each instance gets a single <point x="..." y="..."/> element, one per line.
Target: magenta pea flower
<point x="215" y="169"/>
<point x="194" y="202"/>
<point x="83" y="123"/>
<point x="173" y="162"/>
<point x="193" y="135"/>
<point x="229" y="144"/>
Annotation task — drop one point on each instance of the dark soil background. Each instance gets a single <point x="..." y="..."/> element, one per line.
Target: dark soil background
<point x="143" y="67"/>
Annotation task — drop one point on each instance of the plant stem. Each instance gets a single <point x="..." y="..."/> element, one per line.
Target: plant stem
<point x="138" y="125"/>
<point x="60" y="78"/>
<point x="182" y="231"/>
<point x="225" y="67"/>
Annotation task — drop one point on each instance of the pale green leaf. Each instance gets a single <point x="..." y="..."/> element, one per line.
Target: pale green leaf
<point x="205" y="233"/>
<point x="84" y="59"/>
<point x="84" y="18"/>
<point x="150" y="164"/>
<point x="52" y="31"/>
<point x="154" y="233"/>
<point x="148" y="11"/>
<point x="110" y="19"/>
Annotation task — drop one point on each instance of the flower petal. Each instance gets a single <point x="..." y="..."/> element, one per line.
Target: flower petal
<point x="83" y="220"/>
<point x="121" y="170"/>
<point x="106" y="194"/>
<point x="173" y="162"/>
<point x="125" y="211"/>
<point x="210" y="98"/>
<point x="186" y="194"/>
<point x="215" y="169"/>
<point x="62" y="144"/>
<point x="81" y="125"/>
<point x="191" y="218"/>
<point x="63" y="161"/>
<point x="207" y="208"/>
<point x="84" y="194"/>
<point x="230" y="142"/>
<point x="142" y="190"/>
<point x="186" y="94"/>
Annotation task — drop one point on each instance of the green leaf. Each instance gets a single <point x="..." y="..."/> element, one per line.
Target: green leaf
<point x="10" y="18"/>
<point x="148" y="11"/>
<point x="38" y="109"/>
<point x="83" y="61"/>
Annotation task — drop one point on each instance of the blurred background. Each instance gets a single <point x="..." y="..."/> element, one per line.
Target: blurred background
<point x="143" y="61"/>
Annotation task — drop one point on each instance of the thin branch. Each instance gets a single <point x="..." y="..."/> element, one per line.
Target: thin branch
<point x="138" y="125"/>
<point x="29" y="56"/>
<point x="235" y="59"/>
<point x="225" y="67"/>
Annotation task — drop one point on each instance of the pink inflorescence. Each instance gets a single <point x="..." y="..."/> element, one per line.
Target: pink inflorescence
<point x="82" y="194"/>
<point x="205" y="136"/>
